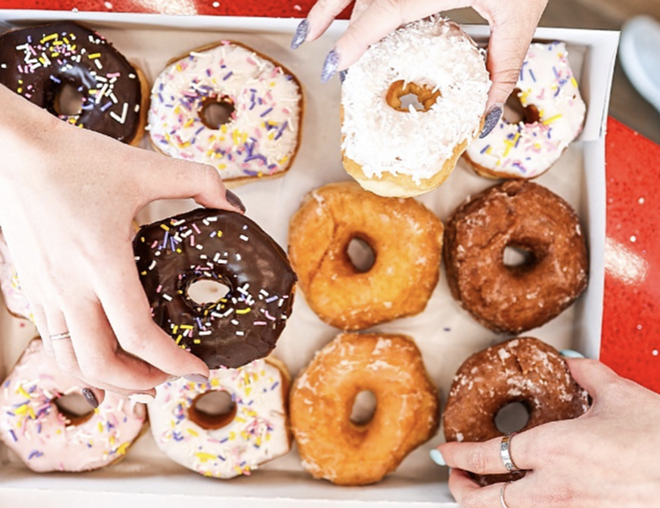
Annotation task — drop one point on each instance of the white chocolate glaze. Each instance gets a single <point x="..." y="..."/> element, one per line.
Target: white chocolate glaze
<point x="13" y="296"/>
<point x="32" y="426"/>
<point x="258" y="432"/>
<point x="434" y="53"/>
<point x="261" y="137"/>
<point x="527" y="150"/>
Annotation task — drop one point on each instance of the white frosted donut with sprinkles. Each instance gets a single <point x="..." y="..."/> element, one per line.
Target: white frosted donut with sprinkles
<point x="554" y="115"/>
<point x="263" y="105"/>
<point x="255" y="432"/>
<point x="44" y="438"/>
<point x="15" y="300"/>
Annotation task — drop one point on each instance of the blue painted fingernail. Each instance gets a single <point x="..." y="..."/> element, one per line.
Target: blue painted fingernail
<point x="197" y="378"/>
<point x="342" y="76"/>
<point x="492" y="118"/>
<point x="569" y="353"/>
<point x="437" y="457"/>
<point x="300" y="35"/>
<point x="330" y="66"/>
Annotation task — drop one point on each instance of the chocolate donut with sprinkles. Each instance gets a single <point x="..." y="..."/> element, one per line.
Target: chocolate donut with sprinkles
<point x="255" y="130"/>
<point x="230" y="249"/>
<point x="39" y="62"/>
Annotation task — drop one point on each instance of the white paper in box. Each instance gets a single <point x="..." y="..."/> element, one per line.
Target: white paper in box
<point x="445" y="334"/>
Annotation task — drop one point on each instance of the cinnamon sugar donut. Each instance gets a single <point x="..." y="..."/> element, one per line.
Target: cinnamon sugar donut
<point x="401" y="151"/>
<point x="523" y="370"/>
<point x="334" y="448"/>
<point x="407" y="242"/>
<point x="515" y="298"/>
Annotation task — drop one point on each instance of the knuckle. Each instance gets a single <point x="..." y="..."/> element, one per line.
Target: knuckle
<point x="477" y="461"/>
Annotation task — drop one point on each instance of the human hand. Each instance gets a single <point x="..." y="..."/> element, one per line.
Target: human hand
<point x="606" y="458"/>
<point x="512" y="22"/>
<point x="67" y="200"/>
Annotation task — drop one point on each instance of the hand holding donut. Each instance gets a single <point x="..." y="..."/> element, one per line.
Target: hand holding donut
<point x="513" y="23"/>
<point x="605" y="458"/>
<point x="67" y="199"/>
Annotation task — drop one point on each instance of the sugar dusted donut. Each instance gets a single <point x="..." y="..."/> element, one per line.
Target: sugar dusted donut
<point x="264" y="100"/>
<point x="518" y="214"/>
<point x="255" y="432"/>
<point x="396" y="151"/>
<point x="554" y="114"/>
<point x="406" y="239"/>
<point x="228" y="248"/>
<point x="15" y="300"/>
<point x="37" y="62"/>
<point x="33" y="427"/>
<point x="334" y="448"/>
<point x="522" y="370"/>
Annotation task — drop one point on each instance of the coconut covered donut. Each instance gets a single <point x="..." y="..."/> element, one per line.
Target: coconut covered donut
<point x="406" y="239"/>
<point x="553" y="117"/>
<point x="225" y="446"/>
<point x="334" y="448"/>
<point x="47" y="439"/>
<point x="394" y="150"/>
<point x="524" y="215"/>
<point x="263" y="104"/>
<point x="523" y="370"/>
<point x="37" y="62"/>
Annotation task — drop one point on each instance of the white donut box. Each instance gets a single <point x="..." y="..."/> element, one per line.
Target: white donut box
<point x="445" y="334"/>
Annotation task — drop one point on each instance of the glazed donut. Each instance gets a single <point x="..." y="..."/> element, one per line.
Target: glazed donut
<point x="334" y="448"/>
<point x="397" y="151"/>
<point x="230" y="249"/>
<point x="37" y="62"/>
<point x="254" y="432"/>
<point x="553" y="117"/>
<point x="405" y="237"/>
<point x="523" y="370"/>
<point x="12" y="294"/>
<point x="45" y="438"/>
<point x="519" y="214"/>
<point x="263" y="101"/>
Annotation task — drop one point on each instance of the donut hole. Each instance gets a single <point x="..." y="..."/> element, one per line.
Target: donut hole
<point x="514" y="111"/>
<point x="212" y="410"/>
<point x="364" y="408"/>
<point x="361" y="254"/>
<point x="68" y="100"/>
<point x="513" y="417"/>
<point x="74" y="407"/>
<point x="518" y="257"/>
<point x="205" y="292"/>
<point x="216" y="111"/>
<point x="401" y="96"/>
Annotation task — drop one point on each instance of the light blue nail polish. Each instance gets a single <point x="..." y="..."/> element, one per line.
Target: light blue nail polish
<point x="330" y="65"/>
<point x="300" y="35"/>
<point x="437" y="457"/>
<point x="196" y="378"/>
<point x="569" y="353"/>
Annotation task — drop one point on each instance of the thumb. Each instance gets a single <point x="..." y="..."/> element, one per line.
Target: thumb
<point x="592" y="375"/>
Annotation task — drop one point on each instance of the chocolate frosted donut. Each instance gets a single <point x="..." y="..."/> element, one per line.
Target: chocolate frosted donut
<point x="523" y="370"/>
<point x="228" y="248"/>
<point x="37" y="62"/>
<point x="515" y="298"/>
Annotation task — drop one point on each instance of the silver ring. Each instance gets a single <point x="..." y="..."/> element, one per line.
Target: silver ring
<point x="505" y="453"/>
<point x="60" y="336"/>
<point x="502" y="490"/>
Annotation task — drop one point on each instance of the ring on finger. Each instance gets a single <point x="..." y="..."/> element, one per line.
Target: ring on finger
<point x="502" y="493"/>
<point x="505" y="453"/>
<point x="60" y="336"/>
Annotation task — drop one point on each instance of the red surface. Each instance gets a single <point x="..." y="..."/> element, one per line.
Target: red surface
<point x="631" y="325"/>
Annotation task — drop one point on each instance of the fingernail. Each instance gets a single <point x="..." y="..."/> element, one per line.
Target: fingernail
<point x="342" y="76"/>
<point x="300" y="35"/>
<point x="90" y="397"/>
<point x="569" y="353"/>
<point x="437" y="457"/>
<point x="330" y="66"/>
<point x="197" y="378"/>
<point x="492" y="118"/>
<point x="235" y="201"/>
<point x="142" y="398"/>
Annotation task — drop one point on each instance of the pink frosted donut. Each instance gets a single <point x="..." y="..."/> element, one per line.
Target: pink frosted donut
<point x="33" y="427"/>
<point x="15" y="301"/>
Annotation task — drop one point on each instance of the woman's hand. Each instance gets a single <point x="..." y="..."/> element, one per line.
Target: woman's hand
<point x="512" y="22"/>
<point x="67" y="200"/>
<point x="607" y="458"/>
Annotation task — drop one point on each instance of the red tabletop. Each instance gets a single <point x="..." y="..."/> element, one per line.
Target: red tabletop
<point x="631" y="324"/>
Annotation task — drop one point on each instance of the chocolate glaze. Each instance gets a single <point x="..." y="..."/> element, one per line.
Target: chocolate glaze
<point x="229" y="248"/>
<point x="36" y="62"/>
